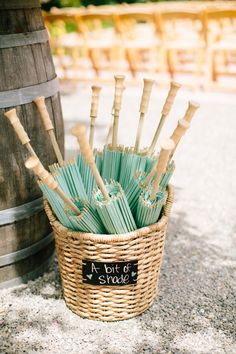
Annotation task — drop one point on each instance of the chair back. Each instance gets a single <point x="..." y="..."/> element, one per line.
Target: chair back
<point x="133" y="24"/>
<point x="95" y="23"/>
<point x="183" y="25"/>
<point x="220" y="24"/>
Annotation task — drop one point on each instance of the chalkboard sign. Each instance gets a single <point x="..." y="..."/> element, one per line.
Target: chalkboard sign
<point x="110" y="273"/>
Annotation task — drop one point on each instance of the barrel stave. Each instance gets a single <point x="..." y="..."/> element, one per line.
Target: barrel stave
<point x="15" y="236"/>
<point x="23" y="66"/>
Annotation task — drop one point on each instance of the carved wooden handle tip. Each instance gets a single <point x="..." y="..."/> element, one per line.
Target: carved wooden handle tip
<point x="78" y="130"/>
<point x="194" y="104"/>
<point x="175" y="84"/>
<point x="10" y="114"/>
<point x="39" y="99"/>
<point x="96" y="89"/>
<point x="167" y="144"/>
<point x="31" y="162"/>
<point x="119" y="77"/>
<point x="146" y="80"/>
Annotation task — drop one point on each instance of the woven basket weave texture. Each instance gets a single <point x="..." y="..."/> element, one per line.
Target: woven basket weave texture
<point x="111" y="303"/>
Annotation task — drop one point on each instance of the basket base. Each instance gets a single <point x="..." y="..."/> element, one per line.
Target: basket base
<point x="109" y="317"/>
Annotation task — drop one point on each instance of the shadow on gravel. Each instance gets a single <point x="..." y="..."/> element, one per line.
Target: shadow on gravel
<point x="193" y="297"/>
<point x="23" y="332"/>
<point x="18" y="328"/>
<point x="48" y="286"/>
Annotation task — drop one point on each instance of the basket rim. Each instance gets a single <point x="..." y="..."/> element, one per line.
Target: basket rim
<point x="108" y="238"/>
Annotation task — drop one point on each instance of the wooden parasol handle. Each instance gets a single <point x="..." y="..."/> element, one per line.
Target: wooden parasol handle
<point x="174" y="87"/>
<point x="179" y="131"/>
<point x="94" y="103"/>
<point x="35" y="165"/>
<point x="19" y="129"/>
<point x="40" y="103"/>
<point x="147" y="89"/>
<point x="93" y="112"/>
<point x="192" y="107"/>
<point x="80" y="132"/>
<point x="119" y="88"/>
<point x="166" y="148"/>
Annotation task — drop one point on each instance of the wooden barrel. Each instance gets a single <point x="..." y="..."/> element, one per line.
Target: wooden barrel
<point x="26" y="71"/>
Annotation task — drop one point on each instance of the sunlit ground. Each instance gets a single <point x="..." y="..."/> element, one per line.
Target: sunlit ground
<point x="194" y="311"/>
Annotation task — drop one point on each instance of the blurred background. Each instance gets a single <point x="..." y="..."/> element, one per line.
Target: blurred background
<point x="191" y="41"/>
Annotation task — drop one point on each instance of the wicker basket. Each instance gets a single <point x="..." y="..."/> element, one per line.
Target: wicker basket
<point x="110" y="303"/>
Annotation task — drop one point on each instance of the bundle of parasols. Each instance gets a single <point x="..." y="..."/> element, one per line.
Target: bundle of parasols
<point x="116" y="190"/>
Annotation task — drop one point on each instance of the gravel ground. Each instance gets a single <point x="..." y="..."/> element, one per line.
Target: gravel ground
<point x="195" y="310"/>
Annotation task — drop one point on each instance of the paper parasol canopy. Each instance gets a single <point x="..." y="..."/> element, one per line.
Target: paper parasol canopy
<point x="134" y="189"/>
<point x="167" y="176"/>
<point x="86" y="173"/>
<point x="68" y="174"/>
<point x="151" y="160"/>
<point x="57" y="204"/>
<point x="148" y="211"/>
<point x="85" y="219"/>
<point x="137" y="185"/>
<point x="111" y="162"/>
<point x="115" y="213"/>
<point x="88" y="220"/>
<point x="151" y="201"/>
<point x="109" y="198"/>
<point x="131" y="163"/>
<point x="113" y="152"/>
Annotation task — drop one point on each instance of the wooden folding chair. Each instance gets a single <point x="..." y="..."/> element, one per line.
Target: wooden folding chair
<point x="67" y="44"/>
<point x="137" y="32"/>
<point x="183" y="39"/>
<point x="97" y="30"/>
<point x="221" y="42"/>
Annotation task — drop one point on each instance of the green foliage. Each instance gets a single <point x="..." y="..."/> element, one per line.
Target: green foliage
<point x="46" y="6"/>
<point x="110" y="2"/>
<point x="70" y="27"/>
<point x="70" y="3"/>
<point x="76" y="3"/>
